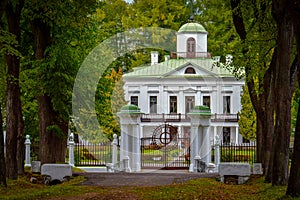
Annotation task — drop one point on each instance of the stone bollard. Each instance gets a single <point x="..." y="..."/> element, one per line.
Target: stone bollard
<point x="71" y="149"/>
<point x="27" y="152"/>
<point x="126" y="166"/>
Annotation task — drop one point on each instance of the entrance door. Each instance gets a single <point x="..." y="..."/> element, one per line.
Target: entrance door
<point x="189" y="103"/>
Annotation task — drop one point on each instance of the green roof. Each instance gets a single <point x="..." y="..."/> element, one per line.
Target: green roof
<point x="131" y="109"/>
<point x="167" y="68"/>
<point x="202" y="110"/>
<point x="192" y="27"/>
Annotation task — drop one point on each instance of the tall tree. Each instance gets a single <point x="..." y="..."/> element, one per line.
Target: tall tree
<point x="14" y="120"/>
<point x="293" y="188"/>
<point x="2" y="158"/>
<point x="253" y="23"/>
<point x="2" y="66"/>
<point x="285" y="77"/>
<point x="51" y="22"/>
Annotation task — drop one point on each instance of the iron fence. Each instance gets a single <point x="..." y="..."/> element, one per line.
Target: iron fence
<point x="92" y="154"/>
<point x="245" y="152"/>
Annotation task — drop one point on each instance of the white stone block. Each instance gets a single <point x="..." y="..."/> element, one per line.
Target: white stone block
<point x="36" y="166"/>
<point x="257" y="168"/>
<point x="58" y="172"/>
<point x="237" y="169"/>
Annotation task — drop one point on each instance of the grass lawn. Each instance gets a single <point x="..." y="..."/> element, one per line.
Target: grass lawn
<point x="204" y="188"/>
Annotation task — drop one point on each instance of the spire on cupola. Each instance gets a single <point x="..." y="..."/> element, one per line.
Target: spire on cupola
<point x="191" y="11"/>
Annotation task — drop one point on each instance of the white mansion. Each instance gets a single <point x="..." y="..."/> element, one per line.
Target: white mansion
<point x="165" y="92"/>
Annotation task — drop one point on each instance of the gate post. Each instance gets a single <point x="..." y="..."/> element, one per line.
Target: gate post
<point x="71" y="149"/>
<point x="217" y="152"/>
<point x="27" y="151"/>
<point x="115" y="149"/>
<point x="130" y="132"/>
<point x="200" y="136"/>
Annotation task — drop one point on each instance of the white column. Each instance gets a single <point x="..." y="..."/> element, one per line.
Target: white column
<point x="236" y="135"/>
<point x="136" y="154"/>
<point x="27" y="152"/>
<point x="205" y="151"/>
<point x="194" y="147"/>
<point x="141" y="131"/>
<point x="215" y="133"/>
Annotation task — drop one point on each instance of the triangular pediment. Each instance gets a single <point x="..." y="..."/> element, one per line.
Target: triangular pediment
<point x="197" y="70"/>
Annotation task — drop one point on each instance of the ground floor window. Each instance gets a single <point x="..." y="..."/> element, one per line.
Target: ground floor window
<point x="226" y="135"/>
<point x="173" y="104"/>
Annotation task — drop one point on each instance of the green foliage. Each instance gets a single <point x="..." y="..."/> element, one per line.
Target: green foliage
<point x="156" y="13"/>
<point x="222" y="37"/>
<point x="109" y="100"/>
<point x="247" y="117"/>
<point x="295" y="109"/>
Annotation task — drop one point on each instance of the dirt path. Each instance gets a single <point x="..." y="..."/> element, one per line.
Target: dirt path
<point x="140" y="179"/>
<point x="117" y="182"/>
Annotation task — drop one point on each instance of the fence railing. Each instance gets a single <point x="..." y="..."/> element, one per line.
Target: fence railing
<point x="92" y="154"/>
<point x="245" y="152"/>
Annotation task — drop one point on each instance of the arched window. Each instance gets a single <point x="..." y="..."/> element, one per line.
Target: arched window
<point x="190" y="70"/>
<point x="191" y="47"/>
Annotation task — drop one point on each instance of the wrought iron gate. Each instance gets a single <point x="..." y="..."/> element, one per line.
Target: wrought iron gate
<point x="165" y="150"/>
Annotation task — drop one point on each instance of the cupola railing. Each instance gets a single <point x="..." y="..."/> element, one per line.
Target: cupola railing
<point x="190" y="55"/>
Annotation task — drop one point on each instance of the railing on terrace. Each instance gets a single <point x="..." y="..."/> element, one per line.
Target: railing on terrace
<point x="191" y="55"/>
<point x="178" y="117"/>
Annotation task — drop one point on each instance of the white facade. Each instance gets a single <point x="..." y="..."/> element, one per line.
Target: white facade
<point x="167" y="91"/>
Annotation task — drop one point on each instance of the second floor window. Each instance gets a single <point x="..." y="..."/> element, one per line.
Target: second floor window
<point x="134" y="100"/>
<point x="226" y="104"/>
<point x="189" y="103"/>
<point x="173" y="104"/>
<point x="153" y="104"/>
<point x="206" y="101"/>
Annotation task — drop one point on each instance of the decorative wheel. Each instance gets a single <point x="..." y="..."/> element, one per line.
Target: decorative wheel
<point x="164" y="134"/>
<point x="47" y="180"/>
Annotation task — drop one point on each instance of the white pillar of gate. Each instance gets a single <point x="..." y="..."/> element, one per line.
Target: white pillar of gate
<point x="130" y="133"/>
<point x="200" y="136"/>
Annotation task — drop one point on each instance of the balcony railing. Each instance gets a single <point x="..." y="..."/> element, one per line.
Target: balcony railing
<point x="191" y="55"/>
<point x="178" y="117"/>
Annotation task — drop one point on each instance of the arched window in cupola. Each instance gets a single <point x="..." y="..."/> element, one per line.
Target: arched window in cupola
<point x="190" y="70"/>
<point x="191" y="47"/>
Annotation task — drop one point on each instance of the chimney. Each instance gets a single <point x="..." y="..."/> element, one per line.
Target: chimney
<point x="167" y="57"/>
<point x="154" y="57"/>
<point x="217" y="58"/>
<point x="228" y="59"/>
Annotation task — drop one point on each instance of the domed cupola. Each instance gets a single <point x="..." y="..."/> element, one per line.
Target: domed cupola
<point x="192" y="41"/>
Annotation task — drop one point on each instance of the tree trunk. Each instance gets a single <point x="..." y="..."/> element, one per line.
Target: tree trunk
<point x="293" y="188"/>
<point x="269" y="102"/>
<point x="281" y="139"/>
<point x="52" y="146"/>
<point x="2" y="158"/>
<point x="14" y="120"/>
